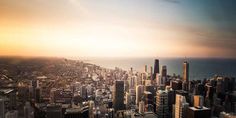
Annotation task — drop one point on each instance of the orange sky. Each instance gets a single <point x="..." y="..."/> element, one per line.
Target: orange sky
<point x="73" y="28"/>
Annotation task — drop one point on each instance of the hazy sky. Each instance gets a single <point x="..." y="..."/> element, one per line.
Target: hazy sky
<point x="118" y="28"/>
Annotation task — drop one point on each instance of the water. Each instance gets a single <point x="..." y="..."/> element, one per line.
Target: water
<point x="200" y="68"/>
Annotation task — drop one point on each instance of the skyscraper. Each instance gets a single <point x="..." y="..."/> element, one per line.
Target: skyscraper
<point x="198" y="101"/>
<point x="145" y="68"/>
<point x="148" y="99"/>
<point x="164" y="71"/>
<point x="180" y="107"/>
<point x="132" y="82"/>
<point x="151" y="72"/>
<point x="162" y="104"/>
<point x="2" y="108"/>
<point x="186" y="71"/>
<point x="38" y="94"/>
<point x="28" y="111"/>
<point x="54" y="111"/>
<point x="83" y="92"/>
<point x="193" y="112"/>
<point x="118" y="95"/>
<point x="156" y="68"/>
<point x="12" y="114"/>
<point x="91" y="106"/>
<point x="139" y="93"/>
<point x="185" y="76"/>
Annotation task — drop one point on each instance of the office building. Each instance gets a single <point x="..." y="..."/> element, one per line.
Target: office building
<point x="2" y="108"/>
<point x="28" y="111"/>
<point x="151" y="72"/>
<point x="176" y="85"/>
<point x="38" y="94"/>
<point x="193" y="112"/>
<point x="118" y="95"/>
<point x="156" y="68"/>
<point x="164" y="71"/>
<point x="83" y="92"/>
<point x="162" y="104"/>
<point x="186" y="71"/>
<point x="145" y="69"/>
<point x="198" y="101"/>
<point x="54" y="111"/>
<point x="141" y="107"/>
<point x="139" y="93"/>
<point x="148" y="99"/>
<point x="12" y="114"/>
<point x="91" y="106"/>
<point x="180" y="107"/>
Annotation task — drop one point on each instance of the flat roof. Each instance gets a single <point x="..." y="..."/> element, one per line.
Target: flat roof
<point x="196" y="109"/>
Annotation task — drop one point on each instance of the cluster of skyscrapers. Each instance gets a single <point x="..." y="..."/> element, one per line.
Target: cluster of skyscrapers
<point x="105" y="93"/>
<point x="166" y="96"/>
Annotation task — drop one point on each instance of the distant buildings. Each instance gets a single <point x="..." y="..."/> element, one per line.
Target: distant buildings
<point x="106" y="94"/>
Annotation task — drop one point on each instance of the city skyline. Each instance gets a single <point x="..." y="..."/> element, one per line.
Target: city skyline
<point x="131" y="28"/>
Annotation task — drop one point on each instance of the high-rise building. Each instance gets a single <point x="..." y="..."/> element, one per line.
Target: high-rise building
<point x="161" y="80"/>
<point x="162" y="104"/>
<point x="209" y="95"/>
<point x="220" y="85"/>
<point x="186" y="71"/>
<point x="91" y="106"/>
<point x="2" y="108"/>
<point x="193" y="112"/>
<point x="152" y="89"/>
<point x="28" y="111"/>
<point x="38" y="94"/>
<point x="141" y="108"/>
<point x="164" y="71"/>
<point x="227" y="115"/>
<point x="156" y="68"/>
<point x="151" y="72"/>
<point x="180" y="107"/>
<point x="139" y="93"/>
<point x="118" y="95"/>
<point x="12" y="114"/>
<point x="145" y="69"/>
<point x="198" y="101"/>
<point x="54" y="111"/>
<point x="127" y="100"/>
<point x="35" y="83"/>
<point x="83" y="92"/>
<point x="132" y="81"/>
<point x="176" y="85"/>
<point x="148" y="98"/>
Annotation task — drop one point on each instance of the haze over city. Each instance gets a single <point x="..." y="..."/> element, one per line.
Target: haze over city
<point x="124" y="28"/>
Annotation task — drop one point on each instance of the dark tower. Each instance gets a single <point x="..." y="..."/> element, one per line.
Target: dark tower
<point x="118" y="95"/>
<point x="156" y="68"/>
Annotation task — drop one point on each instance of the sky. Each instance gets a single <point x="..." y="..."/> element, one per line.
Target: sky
<point x="118" y="28"/>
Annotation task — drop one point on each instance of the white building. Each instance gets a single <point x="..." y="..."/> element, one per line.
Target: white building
<point x="180" y="107"/>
